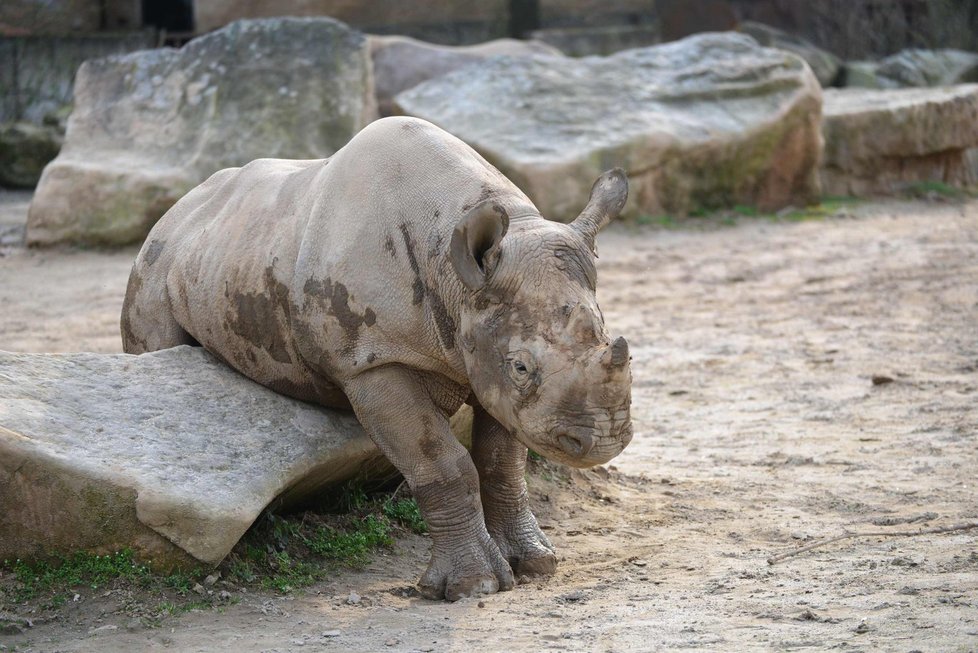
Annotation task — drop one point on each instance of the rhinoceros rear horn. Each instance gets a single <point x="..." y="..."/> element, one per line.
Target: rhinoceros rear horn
<point x="475" y="243"/>
<point x="608" y="197"/>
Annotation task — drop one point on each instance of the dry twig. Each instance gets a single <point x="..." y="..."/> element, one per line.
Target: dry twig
<point x="926" y="531"/>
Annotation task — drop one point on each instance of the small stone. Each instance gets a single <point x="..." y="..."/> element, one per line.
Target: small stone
<point x="353" y="598"/>
<point x="331" y="633"/>
<point x="198" y="588"/>
<point x="482" y="604"/>
<point x="102" y="629"/>
<point x="576" y="595"/>
<point x="224" y="595"/>
<point x="863" y="627"/>
<point x="213" y="578"/>
<point x="298" y="642"/>
<point x="393" y="641"/>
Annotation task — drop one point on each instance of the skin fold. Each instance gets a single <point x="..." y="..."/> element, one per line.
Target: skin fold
<point x="403" y="277"/>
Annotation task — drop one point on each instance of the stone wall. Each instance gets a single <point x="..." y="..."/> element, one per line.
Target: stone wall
<point x="21" y="17"/>
<point x="439" y="21"/>
<point x="37" y="72"/>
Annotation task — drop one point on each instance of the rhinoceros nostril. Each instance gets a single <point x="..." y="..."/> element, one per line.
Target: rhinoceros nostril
<point x="575" y="444"/>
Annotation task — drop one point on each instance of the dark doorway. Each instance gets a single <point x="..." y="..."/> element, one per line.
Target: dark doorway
<point x="169" y="16"/>
<point x="524" y="17"/>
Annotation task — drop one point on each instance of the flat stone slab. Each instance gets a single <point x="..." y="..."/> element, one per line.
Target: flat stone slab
<point x="170" y="453"/>
<point x="149" y="126"/>
<point x="824" y="64"/>
<point x="401" y="62"/>
<point x="709" y="121"/>
<point x="878" y="141"/>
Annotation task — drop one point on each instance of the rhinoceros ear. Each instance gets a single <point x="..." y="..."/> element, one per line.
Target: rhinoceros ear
<point x="475" y="243"/>
<point x="608" y="196"/>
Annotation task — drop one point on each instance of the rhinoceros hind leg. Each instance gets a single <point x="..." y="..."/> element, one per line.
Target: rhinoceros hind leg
<point x="147" y="322"/>
<point x="501" y="461"/>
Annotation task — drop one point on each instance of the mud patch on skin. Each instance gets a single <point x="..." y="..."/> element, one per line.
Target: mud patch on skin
<point x="443" y="321"/>
<point x="484" y="193"/>
<point x="578" y="266"/>
<point x="153" y="251"/>
<point x="389" y="246"/>
<point x="430" y="443"/>
<point x="131" y="344"/>
<point x="336" y="300"/>
<point x="261" y="318"/>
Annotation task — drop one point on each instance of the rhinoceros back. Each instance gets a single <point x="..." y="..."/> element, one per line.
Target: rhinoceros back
<point x="302" y="273"/>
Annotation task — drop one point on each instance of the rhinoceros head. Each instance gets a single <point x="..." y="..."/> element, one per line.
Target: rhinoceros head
<point x="537" y="354"/>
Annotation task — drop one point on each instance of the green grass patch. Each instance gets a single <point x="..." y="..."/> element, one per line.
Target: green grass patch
<point x="407" y="513"/>
<point x="278" y="553"/>
<point x="746" y="211"/>
<point x="935" y="189"/>
<point x="665" y="220"/>
<point x="828" y="207"/>
<point x="79" y="570"/>
<point x="284" y="553"/>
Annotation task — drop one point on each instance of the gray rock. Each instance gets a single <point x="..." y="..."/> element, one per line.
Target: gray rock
<point x="149" y="126"/>
<point x="24" y="151"/>
<point x="824" y="64"/>
<point x="708" y="121"/>
<point x="602" y="39"/>
<point x="879" y="141"/>
<point x="172" y="454"/>
<point x="914" y="68"/>
<point x="401" y="62"/>
<point x="864" y="74"/>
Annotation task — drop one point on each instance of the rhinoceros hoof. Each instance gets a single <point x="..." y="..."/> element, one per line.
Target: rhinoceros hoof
<point x="542" y="563"/>
<point x="466" y="571"/>
<point x="528" y="551"/>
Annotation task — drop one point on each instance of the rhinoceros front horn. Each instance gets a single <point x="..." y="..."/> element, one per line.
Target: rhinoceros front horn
<point x="608" y="196"/>
<point x="617" y="354"/>
<point x="475" y="243"/>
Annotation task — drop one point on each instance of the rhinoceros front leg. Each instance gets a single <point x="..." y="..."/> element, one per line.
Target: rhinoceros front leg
<point x="406" y="415"/>
<point x="501" y="461"/>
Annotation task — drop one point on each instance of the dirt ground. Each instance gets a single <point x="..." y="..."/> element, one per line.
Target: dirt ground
<point x="792" y="381"/>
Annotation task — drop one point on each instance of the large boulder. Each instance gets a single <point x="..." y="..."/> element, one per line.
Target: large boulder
<point x="709" y="121"/>
<point x="25" y="149"/>
<point x="172" y="454"/>
<point x="824" y="64"/>
<point x="914" y="68"/>
<point x="149" y="126"/>
<point x="598" y="39"/>
<point x="401" y="62"/>
<point x="879" y="141"/>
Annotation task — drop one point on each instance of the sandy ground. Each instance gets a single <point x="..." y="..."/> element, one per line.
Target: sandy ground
<point x="758" y="427"/>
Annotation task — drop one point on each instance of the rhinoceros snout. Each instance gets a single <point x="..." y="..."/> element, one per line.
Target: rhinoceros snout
<point x="582" y="447"/>
<point x="575" y="442"/>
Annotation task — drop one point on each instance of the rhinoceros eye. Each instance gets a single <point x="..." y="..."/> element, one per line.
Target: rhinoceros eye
<point x="521" y="368"/>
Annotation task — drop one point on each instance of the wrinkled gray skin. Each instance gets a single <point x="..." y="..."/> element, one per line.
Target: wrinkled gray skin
<point x="403" y="277"/>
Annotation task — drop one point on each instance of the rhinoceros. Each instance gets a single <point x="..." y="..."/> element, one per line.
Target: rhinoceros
<point x="403" y="277"/>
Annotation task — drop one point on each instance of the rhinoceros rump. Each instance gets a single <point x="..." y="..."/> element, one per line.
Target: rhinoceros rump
<point x="403" y="277"/>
